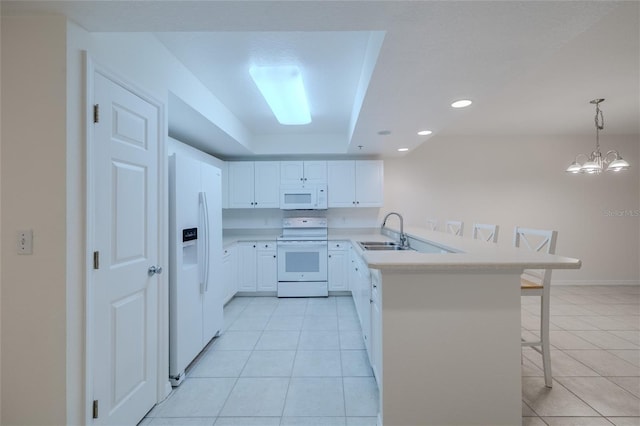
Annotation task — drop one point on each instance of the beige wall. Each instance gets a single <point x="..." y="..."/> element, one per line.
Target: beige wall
<point x="33" y="197"/>
<point x="155" y="73"/>
<point x="1" y="233"/>
<point x="521" y="181"/>
<point x="43" y="184"/>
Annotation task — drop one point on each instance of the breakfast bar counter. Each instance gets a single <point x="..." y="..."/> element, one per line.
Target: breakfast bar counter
<point x="450" y="330"/>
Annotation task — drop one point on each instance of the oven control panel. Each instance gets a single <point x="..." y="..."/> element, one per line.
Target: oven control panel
<point x="304" y="222"/>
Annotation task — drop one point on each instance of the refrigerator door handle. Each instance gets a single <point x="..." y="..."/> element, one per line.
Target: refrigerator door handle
<point x="205" y="207"/>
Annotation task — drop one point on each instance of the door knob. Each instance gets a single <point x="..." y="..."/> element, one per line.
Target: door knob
<point x="154" y="270"/>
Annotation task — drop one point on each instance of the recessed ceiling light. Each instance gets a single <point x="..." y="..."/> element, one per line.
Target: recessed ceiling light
<point x="424" y="132"/>
<point x="283" y="89"/>
<point x="461" y="103"/>
<point x="403" y="149"/>
<point x="384" y="132"/>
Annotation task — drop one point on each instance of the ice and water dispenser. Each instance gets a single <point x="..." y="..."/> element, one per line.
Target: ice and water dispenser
<point x="189" y="246"/>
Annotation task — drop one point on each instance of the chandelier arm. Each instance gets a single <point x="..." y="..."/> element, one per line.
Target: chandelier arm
<point x="616" y="155"/>
<point x="586" y="157"/>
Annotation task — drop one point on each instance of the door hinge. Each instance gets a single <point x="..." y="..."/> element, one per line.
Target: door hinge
<point x="95" y="408"/>
<point x="96" y="113"/>
<point x="96" y="260"/>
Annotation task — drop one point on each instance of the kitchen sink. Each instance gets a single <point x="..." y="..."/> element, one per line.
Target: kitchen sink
<point x="387" y="248"/>
<point x="382" y="245"/>
<point x="378" y="243"/>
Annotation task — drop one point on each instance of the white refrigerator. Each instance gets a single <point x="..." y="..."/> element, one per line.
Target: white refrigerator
<point x="195" y="253"/>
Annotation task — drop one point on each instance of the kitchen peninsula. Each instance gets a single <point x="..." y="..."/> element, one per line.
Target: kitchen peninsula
<point x="443" y="328"/>
<point x="450" y="330"/>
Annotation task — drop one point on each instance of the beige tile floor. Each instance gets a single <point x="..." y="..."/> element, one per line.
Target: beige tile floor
<point x="595" y="358"/>
<point x="302" y="362"/>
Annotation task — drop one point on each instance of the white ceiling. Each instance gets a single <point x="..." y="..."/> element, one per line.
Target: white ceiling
<point x="530" y="67"/>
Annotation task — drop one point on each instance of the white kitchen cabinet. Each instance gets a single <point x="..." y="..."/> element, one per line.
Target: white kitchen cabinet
<point x="246" y="256"/>
<point x="338" y="265"/>
<point x="364" y="285"/>
<point x="267" y="184"/>
<point x="254" y="184"/>
<point x="224" y="168"/>
<point x="361" y="290"/>
<point x="355" y="183"/>
<point x="241" y="184"/>
<point x="303" y="172"/>
<point x="229" y="272"/>
<point x="369" y="183"/>
<point x="376" y="327"/>
<point x="257" y="266"/>
<point x="266" y="267"/>
<point x="341" y="177"/>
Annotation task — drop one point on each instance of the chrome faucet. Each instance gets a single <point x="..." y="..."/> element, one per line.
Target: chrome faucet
<point x="403" y="236"/>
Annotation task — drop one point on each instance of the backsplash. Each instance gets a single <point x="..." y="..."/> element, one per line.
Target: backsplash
<point x="272" y="218"/>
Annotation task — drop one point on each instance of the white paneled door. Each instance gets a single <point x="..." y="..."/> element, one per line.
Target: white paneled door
<point x="125" y="284"/>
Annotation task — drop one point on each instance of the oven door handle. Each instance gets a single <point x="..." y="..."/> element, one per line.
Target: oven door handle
<point x="303" y="243"/>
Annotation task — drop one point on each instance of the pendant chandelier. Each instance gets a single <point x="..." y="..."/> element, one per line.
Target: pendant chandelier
<point x="595" y="163"/>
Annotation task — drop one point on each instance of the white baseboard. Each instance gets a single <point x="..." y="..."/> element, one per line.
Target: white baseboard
<point x="595" y="282"/>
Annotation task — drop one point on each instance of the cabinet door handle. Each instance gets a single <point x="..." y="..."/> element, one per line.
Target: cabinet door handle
<point x="329" y="255"/>
<point x="274" y="256"/>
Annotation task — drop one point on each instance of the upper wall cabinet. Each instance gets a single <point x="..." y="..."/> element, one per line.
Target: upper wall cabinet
<point x="355" y="183"/>
<point x="303" y="172"/>
<point x="224" y="167"/>
<point x="254" y="184"/>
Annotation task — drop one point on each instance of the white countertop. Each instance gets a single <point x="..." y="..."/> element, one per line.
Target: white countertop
<point x="471" y="254"/>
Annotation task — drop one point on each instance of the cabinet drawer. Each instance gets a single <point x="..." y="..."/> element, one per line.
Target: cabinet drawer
<point x="266" y="245"/>
<point x="338" y="245"/>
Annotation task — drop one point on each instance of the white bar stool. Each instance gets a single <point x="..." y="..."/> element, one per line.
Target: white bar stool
<point x="537" y="283"/>
<point x="486" y="232"/>
<point x="455" y="227"/>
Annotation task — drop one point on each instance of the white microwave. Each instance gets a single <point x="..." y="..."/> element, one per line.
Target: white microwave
<point x="307" y="197"/>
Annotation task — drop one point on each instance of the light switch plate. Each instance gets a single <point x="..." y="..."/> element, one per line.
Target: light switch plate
<point x="25" y="242"/>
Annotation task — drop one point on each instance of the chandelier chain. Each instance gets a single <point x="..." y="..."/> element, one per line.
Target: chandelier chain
<point x="599" y="121"/>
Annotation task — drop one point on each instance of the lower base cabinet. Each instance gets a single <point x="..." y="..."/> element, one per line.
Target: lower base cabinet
<point x="376" y="327"/>
<point x="229" y="273"/>
<point x="246" y="264"/>
<point x="366" y="290"/>
<point x="257" y="266"/>
<point x="266" y="267"/>
<point x="338" y="265"/>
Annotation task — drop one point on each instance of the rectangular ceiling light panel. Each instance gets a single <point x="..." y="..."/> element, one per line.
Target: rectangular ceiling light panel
<point x="283" y="89"/>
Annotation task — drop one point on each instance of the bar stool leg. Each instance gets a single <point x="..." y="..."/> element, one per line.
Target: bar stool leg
<point x="544" y="338"/>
